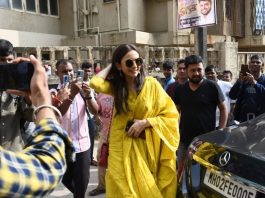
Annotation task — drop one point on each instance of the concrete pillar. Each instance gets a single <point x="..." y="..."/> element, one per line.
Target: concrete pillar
<point x="227" y="56"/>
<point x="65" y="53"/>
<point x="162" y="51"/>
<point x="146" y="57"/>
<point x="38" y="53"/>
<point x="78" y="56"/>
<point x="89" y="55"/>
<point x="52" y="55"/>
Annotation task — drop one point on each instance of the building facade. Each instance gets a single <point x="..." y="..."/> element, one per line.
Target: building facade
<point x="47" y="25"/>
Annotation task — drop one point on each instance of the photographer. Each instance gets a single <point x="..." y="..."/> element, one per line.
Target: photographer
<point x="37" y="170"/>
<point x="15" y="110"/>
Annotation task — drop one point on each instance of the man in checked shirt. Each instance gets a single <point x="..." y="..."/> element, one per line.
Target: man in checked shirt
<point x="36" y="170"/>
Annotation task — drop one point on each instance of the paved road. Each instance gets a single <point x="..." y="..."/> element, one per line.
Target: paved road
<point x="61" y="191"/>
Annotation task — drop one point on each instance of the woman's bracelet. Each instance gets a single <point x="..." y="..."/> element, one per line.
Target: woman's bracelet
<point x="56" y="111"/>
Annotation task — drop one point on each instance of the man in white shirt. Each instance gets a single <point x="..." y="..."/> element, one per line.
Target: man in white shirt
<point x="227" y="76"/>
<point x="211" y="74"/>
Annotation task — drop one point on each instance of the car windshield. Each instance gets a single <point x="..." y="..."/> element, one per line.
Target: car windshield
<point x="248" y="137"/>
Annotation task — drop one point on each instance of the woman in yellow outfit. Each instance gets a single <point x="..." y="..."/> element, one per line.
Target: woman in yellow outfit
<point x="142" y="160"/>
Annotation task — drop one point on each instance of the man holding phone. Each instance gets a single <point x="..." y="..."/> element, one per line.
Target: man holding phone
<point x="74" y="121"/>
<point x="14" y="109"/>
<point x="249" y="91"/>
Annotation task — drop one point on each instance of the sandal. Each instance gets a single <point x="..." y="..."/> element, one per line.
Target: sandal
<point x="96" y="191"/>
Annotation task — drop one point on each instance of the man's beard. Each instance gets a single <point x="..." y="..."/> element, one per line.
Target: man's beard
<point x="206" y="12"/>
<point x="196" y="80"/>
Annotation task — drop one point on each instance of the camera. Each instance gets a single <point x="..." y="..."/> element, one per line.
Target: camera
<point x="16" y="76"/>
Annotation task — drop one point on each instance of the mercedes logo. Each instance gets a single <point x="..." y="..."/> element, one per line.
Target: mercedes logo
<point x="224" y="158"/>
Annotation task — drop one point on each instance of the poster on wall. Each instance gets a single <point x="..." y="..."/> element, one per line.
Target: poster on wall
<point x="196" y="13"/>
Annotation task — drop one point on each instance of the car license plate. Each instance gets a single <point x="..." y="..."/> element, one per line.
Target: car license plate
<point x="226" y="186"/>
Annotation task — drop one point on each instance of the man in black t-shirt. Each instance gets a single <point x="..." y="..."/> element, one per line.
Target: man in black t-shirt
<point x="197" y="101"/>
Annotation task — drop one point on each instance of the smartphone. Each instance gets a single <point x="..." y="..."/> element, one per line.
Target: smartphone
<point x="128" y="125"/>
<point x="80" y="75"/>
<point x="16" y="76"/>
<point x="244" y="69"/>
<point x="66" y="79"/>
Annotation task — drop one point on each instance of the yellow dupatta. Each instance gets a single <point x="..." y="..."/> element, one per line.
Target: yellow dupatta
<point x="155" y="175"/>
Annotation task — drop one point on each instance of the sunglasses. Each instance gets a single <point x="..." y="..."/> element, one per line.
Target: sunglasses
<point x="138" y="61"/>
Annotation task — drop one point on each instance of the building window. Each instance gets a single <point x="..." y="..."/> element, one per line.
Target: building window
<point x="4" y="4"/>
<point x="45" y="56"/>
<point x="258" y="17"/>
<point x="48" y="7"/>
<point x="17" y="4"/>
<point x="54" y="7"/>
<point x="31" y="5"/>
<point x="19" y="54"/>
<point x="43" y="6"/>
<point x="107" y="1"/>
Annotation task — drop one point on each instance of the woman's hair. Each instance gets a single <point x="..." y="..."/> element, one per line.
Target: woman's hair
<point x="117" y="78"/>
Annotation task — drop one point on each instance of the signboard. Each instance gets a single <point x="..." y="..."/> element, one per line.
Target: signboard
<point x="194" y="13"/>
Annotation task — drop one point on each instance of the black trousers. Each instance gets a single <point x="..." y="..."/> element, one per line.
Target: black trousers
<point x="91" y="127"/>
<point x="77" y="175"/>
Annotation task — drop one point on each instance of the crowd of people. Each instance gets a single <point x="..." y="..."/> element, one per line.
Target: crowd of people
<point x="147" y="125"/>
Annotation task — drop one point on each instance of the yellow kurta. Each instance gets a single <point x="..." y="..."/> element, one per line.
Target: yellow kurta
<point x="143" y="167"/>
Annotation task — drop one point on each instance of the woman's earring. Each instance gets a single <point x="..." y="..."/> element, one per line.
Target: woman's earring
<point x="120" y="73"/>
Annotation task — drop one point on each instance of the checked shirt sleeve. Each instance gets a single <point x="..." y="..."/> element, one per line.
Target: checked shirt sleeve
<point x="37" y="170"/>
